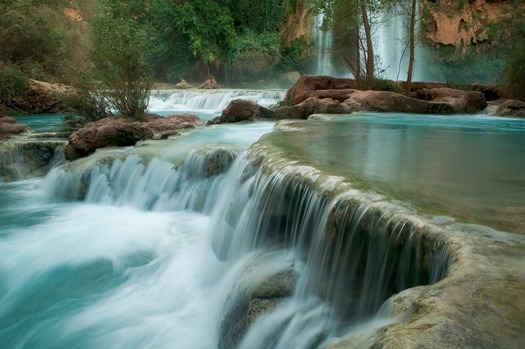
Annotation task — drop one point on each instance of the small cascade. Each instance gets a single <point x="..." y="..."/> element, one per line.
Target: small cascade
<point x="147" y="184"/>
<point x="210" y="102"/>
<point x="349" y="258"/>
<point x="24" y="158"/>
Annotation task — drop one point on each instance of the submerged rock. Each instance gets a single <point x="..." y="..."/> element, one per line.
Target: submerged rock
<point x="121" y="132"/>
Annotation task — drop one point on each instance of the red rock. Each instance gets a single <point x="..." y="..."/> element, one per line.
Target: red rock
<point x="125" y="132"/>
<point x="8" y="125"/>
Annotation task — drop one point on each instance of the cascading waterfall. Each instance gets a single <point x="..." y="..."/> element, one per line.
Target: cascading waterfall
<point x="209" y="103"/>
<point x="323" y="42"/>
<point x="140" y="251"/>
<point x="390" y="46"/>
<point x="348" y="259"/>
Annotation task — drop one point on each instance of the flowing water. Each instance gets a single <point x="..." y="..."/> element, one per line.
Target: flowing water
<point x="191" y="243"/>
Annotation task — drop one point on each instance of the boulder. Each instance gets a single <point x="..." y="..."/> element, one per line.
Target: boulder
<point x="210" y="84"/>
<point x="125" y="132"/>
<point x="8" y="126"/>
<point x="238" y="110"/>
<point x="43" y="97"/>
<point x="460" y="101"/>
<point x="306" y="86"/>
<point x="511" y="108"/>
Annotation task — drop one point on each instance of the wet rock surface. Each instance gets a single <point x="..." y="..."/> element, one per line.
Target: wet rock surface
<point x="24" y="157"/>
<point x="510" y="108"/>
<point x="252" y="304"/>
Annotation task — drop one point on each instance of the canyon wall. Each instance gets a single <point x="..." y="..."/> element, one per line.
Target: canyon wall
<point x="463" y="23"/>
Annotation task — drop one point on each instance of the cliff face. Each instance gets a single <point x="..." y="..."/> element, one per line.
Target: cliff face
<point x="298" y="25"/>
<point x="468" y="22"/>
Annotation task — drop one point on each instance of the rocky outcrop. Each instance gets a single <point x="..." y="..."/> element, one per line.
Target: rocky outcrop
<point x="42" y="97"/>
<point x="462" y="23"/>
<point x="510" y="108"/>
<point x="459" y="101"/>
<point x="318" y="86"/>
<point x="297" y="25"/>
<point x="328" y="95"/>
<point x="8" y="126"/>
<point x="121" y="132"/>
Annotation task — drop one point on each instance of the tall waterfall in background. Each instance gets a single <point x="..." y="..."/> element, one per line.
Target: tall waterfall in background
<point x="323" y="43"/>
<point x="390" y="48"/>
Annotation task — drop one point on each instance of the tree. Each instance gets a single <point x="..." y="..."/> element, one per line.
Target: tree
<point x="119" y="57"/>
<point x="353" y="22"/>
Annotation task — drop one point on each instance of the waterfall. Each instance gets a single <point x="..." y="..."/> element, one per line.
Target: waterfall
<point x="390" y="46"/>
<point x="23" y="158"/>
<point x="280" y="264"/>
<point x="209" y="103"/>
<point x="348" y="260"/>
<point x="323" y="43"/>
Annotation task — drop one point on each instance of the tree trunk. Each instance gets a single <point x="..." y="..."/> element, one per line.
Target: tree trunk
<point x="369" y="63"/>
<point x="412" y="45"/>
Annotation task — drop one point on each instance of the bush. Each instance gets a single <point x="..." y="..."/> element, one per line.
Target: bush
<point x="13" y="83"/>
<point x="252" y="56"/>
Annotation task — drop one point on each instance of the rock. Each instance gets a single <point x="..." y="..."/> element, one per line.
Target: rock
<point x="511" y="108"/>
<point x="307" y="86"/>
<point x="245" y="110"/>
<point x="238" y="110"/>
<point x="460" y="101"/>
<point x="43" y="97"/>
<point x="384" y="101"/>
<point x="8" y="125"/>
<point x="183" y="84"/>
<point x="125" y="132"/>
<point x="472" y="23"/>
<point x="210" y="84"/>
<point x="248" y="306"/>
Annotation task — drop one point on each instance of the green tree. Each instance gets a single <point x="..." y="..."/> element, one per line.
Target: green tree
<point x="39" y="40"/>
<point x="353" y="22"/>
<point x="119" y="57"/>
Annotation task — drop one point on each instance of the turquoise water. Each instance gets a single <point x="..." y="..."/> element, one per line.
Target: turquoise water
<point x="468" y="167"/>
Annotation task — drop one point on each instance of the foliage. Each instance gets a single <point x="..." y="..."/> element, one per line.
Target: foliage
<point x="252" y="55"/>
<point x="119" y="59"/>
<point x="13" y="83"/>
<point x="38" y="40"/>
<point x="259" y="16"/>
<point x="88" y="103"/>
